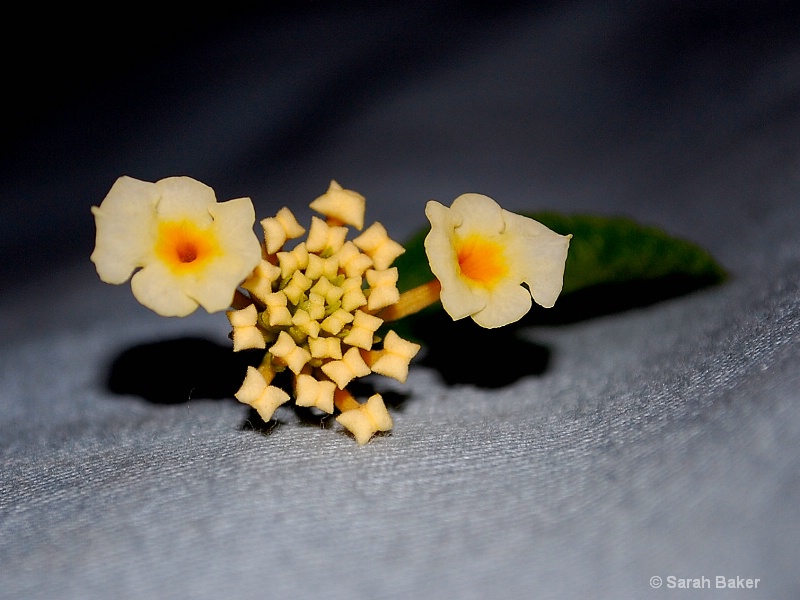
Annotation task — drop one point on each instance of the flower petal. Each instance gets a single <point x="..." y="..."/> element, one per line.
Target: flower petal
<point x="184" y="198"/>
<point x="126" y="224"/>
<point x="543" y="257"/>
<point x="457" y="298"/>
<point x="213" y="287"/>
<point x="508" y="303"/>
<point x="156" y="288"/>
<point x="478" y="213"/>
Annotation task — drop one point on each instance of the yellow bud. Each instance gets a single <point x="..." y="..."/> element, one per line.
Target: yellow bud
<point x="244" y="317"/>
<point x="352" y="260"/>
<point x="322" y="267"/>
<point x="344" y="206"/>
<point x="293" y="260"/>
<point x="293" y="355"/>
<point x="325" y="347"/>
<point x="313" y="393"/>
<point x="303" y="321"/>
<point x="343" y="371"/>
<point x="335" y="322"/>
<point x="383" y="289"/>
<point x="379" y="246"/>
<point x="366" y="420"/>
<point x="260" y="281"/>
<point x="327" y="290"/>
<point x="315" y="306"/>
<point x="364" y="327"/>
<point x="323" y="237"/>
<point x="257" y="393"/>
<point x="280" y="228"/>
<point x="395" y="357"/>
<point x="353" y="296"/>
<point x="296" y="287"/>
<point x="276" y="310"/>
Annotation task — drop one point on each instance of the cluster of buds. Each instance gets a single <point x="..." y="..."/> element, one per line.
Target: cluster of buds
<point x="315" y="309"/>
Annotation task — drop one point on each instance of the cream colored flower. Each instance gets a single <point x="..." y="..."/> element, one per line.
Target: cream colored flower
<point x="186" y="248"/>
<point x="482" y="254"/>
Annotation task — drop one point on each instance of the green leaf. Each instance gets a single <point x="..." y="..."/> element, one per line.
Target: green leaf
<point x="412" y="266"/>
<point x="617" y="250"/>
<point x="606" y="255"/>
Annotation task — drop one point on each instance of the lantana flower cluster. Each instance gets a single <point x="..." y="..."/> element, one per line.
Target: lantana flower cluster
<point x="314" y="307"/>
<point x="317" y="305"/>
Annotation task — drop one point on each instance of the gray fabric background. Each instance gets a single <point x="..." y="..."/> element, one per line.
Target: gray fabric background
<point x="658" y="441"/>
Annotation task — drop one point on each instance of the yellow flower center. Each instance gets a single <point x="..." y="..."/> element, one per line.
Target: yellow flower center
<point x="183" y="246"/>
<point x="481" y="260"/>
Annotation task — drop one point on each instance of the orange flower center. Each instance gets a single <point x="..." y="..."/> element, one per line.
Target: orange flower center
<point x="183" y="246"/>
<point x="481" y="260"/>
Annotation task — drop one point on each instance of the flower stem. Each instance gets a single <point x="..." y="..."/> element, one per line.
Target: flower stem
<point x="413" y="301"/>
<point x="344" y="401"/>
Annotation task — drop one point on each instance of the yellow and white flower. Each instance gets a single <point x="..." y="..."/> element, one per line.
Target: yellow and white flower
<point x="183" y="248"/>
<point x="482" y="254"/>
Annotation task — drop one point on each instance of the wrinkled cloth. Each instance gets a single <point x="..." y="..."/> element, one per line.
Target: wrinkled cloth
<point x="657" y="441"/>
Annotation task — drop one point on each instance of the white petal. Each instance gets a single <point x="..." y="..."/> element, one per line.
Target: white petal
<point x="441" y="217"/>
<point x="126" y="226"/>
<point x="458" y="299"/>
<point x="233" y="227"/>
<point x="508" y="303"/>
<point x="213" y="286"/>
<point x="479" y="214"/>
<point x="542" y="254"/>
<point x="184" y="198"/>
<point x="156" y="288"/>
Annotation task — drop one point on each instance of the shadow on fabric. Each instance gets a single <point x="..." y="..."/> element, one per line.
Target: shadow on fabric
<point x="178" y="370"/>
